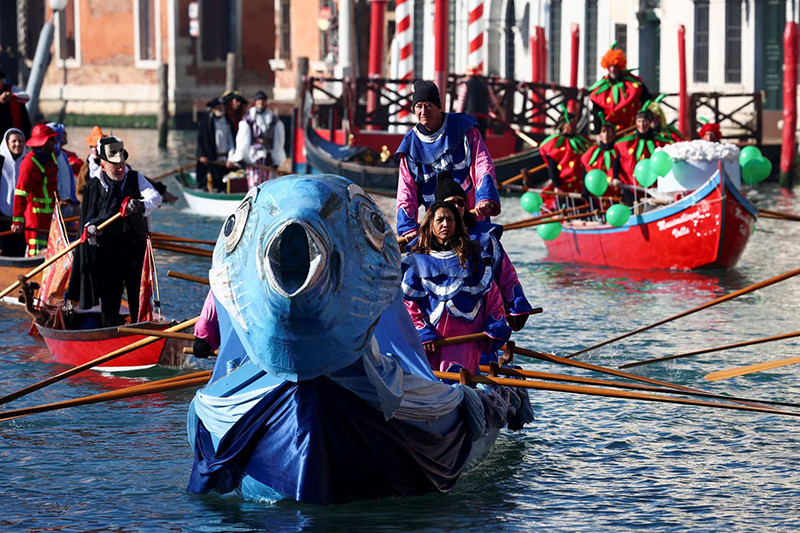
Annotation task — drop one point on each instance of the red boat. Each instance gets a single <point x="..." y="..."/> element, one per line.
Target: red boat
<point x="78" y="346"/>
<point x="708" y="228"/>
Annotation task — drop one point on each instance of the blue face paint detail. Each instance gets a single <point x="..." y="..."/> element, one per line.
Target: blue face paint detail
<point x="304" y="268"/>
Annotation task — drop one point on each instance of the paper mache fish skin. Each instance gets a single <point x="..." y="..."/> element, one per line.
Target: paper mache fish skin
<point x="305" y="267"/>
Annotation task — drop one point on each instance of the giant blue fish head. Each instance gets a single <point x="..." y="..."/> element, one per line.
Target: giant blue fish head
<point x="305" y="267"/>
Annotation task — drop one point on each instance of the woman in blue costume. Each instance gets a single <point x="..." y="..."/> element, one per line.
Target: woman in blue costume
<point x="487" y="236"/>
<point x="449" y="290"/>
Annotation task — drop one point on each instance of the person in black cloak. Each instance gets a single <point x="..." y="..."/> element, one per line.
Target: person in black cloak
<point x="111" y="260"/>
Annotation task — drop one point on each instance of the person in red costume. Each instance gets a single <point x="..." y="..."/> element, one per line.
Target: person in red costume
<point x="35" y="194"/>
<point x="601" y="156"/>
<point x="634" y="148"/>
<point x="619" y="94"/>
<point x="562" y="152"/>
<point x="710" y="132"/>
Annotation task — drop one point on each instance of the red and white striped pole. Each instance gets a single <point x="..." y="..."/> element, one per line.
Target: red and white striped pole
<point x="440" y="34"/>
<point x="405" y="61"/>
<point x="475" y="36"/>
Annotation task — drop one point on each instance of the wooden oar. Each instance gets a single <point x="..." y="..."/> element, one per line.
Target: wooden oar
<point x="522" y="175"/>
<point x="156" y="333"/>
<point x="575" y="195"/>
<point x="750" y="369"/>
<point x="93" y="363"/>
<point x="715" y="349"/>
<point x="731" y="296"/>
<point x="594" y="391"/>
<point x="620" y="385"/>
<point x="521" y="134"/>
<point x="55" y="258"/>
<point x="605" y="370"/>
<point x="128" y="392"/>
<point x="557" y="219"/>
<point x="778" y="214"/>
<point x="177" y="248"/>
<point x="513" y="225"/>
<point x="176" y="171"/>
<point x="175" y="238"/>
<point x="187" y="277"/>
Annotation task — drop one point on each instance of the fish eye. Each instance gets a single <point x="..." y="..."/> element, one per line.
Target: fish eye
<point x="373" y="224"/>
<point x="234" y="226"/>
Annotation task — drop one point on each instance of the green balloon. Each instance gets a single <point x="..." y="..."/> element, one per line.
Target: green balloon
<point x="661" y="163"/>
<point x="748" y="153"/>
<point x="531" y="202"/>
<point x="644" y="172"/>
<point x="549" y="231"/>
<point x="618" y="214"/>
<point x="763" y="168"/>
<point x="749" y="171"/>
<point x="596" y="182"/>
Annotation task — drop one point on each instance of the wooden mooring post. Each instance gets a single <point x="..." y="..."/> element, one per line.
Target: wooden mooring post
<point x="163" y="105"/>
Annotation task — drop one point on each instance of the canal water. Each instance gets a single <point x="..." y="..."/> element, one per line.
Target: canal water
<point x="585" y="464"/>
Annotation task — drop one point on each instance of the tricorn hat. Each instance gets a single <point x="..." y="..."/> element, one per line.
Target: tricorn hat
<point x="111" y="149"/>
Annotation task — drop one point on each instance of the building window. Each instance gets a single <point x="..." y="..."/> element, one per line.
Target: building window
<point x="733" y="41"/>
<point x="555" y="42"/>
<point x="621" y="36"/>
<point x="285" y="30"/>
<point x="218" y="29"/>
<point x="67" y="34"/>
<point x="590" y="48"/>
<point x="700" y="69"/>
<point x="146" y="29"/>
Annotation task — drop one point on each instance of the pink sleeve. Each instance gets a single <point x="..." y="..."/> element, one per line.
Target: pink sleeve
<point x="482" y="173"/>
<point x="207" y="328"/>
<point x="407" y="203"/>
<point x="494" y="304"/>
<point x="507" y="278"/>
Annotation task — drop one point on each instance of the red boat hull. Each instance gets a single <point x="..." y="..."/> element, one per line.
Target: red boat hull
<point x="76" y="347"/>
<point x="706" y="229"/>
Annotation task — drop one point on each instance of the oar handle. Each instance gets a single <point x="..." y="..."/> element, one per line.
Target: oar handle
<point x="460" y="339"/>
<point x="187" y="277"/>
<point x="156" y="333"/>
<point x="522" y="175"/>
<point x="56" y="257"/>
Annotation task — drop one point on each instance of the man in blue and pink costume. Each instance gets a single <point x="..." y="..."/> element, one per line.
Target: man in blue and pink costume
<point x="442" y="141"/>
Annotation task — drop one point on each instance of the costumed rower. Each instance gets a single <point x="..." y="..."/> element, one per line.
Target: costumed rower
<point x="441" y="141"/>
<point x="36" y="190"/>
<point x="235" y="108"/>
<point x="601" y="156"/>
<point x="487" y="236"/>
<point x="710" y="132"/>
<point x="449" y="290"/>
<point x="660" y="124"/>
<point x="66" y="177"/>
<point x="259" y="141"/>
<point x="12" y="151"/>
<point x="214" y="143"/>
<point x="13" y="113"/>
<point x="619" y="94"/>
<point x="111" y="260"/>
<point x="477" y="99"/>
<point x="562" y="152"/>
<point x="634" y="148"/>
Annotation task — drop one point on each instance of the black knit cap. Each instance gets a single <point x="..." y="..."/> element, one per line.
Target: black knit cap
<point x="426" y="91"/>
<point x="447" y="187"/>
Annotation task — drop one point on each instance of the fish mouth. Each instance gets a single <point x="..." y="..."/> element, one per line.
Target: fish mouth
<point x="296" y="259"/>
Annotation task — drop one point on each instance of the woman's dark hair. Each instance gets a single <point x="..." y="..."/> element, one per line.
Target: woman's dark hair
<point x="460" y="242"/>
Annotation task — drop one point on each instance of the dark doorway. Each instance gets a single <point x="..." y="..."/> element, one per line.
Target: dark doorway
<point x="8" y="40"/>
<point x="770" y="22"/>
<point x="649" y="49"/>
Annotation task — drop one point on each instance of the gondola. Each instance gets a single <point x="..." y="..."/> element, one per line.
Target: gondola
<point x="362" y="165"/>
<point x="708" y="228"/>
